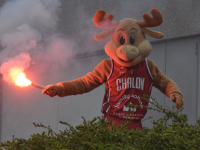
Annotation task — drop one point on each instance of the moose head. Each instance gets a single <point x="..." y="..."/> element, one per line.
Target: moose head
<point x="128" y="45"/>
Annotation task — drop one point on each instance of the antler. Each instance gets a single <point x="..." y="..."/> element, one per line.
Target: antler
<point x="99" y="21"/>
<point x="149" y="21"/>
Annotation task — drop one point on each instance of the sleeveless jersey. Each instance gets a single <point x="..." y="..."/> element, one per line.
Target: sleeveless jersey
<point x="125" y="86"/>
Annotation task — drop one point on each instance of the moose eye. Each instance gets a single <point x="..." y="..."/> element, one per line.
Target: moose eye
<point x="132" y="39"/>
<point x="121" y="39"/>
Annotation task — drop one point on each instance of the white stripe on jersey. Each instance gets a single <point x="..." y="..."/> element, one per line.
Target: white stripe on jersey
<point x="107" y="109"/>
<point x="108" y="94"/>
<point x="111" y="69"/>
<point x="148" y="69"/>
<point x="150" y="93"/>
<point x="150" y="88"/>
<point x="105" y="103"/>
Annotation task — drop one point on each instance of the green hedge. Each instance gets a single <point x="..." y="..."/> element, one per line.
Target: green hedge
<point x="95" y="134"/>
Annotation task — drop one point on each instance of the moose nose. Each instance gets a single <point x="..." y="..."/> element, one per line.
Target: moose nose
<point x="127" y="52"/>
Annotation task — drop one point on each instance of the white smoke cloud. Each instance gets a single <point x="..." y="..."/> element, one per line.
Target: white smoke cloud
<point x="54" y="53"/>
<point x="38" y="14"/>
<point x="23" y="39"/>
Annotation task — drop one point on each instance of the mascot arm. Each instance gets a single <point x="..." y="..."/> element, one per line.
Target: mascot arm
<point x="166" y="85"/>
<point x="86" y="83"/>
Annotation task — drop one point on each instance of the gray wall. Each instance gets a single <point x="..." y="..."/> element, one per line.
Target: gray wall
<point x="178" y="59"/>
<point x="180" y="17"/>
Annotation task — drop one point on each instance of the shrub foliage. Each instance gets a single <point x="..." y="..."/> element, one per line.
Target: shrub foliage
<point x="169" y="132"/>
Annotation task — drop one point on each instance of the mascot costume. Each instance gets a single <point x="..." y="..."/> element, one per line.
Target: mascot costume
<point x="128" y="74"/>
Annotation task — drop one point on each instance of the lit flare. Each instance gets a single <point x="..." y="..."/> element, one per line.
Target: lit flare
<point x="19" y="78"/>
<point x="22" y="80"/>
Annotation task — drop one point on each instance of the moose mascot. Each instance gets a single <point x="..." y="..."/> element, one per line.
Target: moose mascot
<point x="128" y="74"/>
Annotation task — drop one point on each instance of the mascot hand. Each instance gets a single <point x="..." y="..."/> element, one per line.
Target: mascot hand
<point x="178" y="99"/>
<point x="50" y="90"/>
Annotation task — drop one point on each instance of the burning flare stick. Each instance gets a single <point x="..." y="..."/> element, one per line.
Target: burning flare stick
<point x="23" y="81"/>
<point x="38" y="86"/>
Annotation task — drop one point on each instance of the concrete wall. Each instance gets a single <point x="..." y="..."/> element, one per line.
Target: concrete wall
<point x="178" y="59"/>
<point x="180" y="18"/>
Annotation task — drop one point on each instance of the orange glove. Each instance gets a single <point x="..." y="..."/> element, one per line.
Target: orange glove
<point x="178" y="99"/>
<point x="50" y="90"/>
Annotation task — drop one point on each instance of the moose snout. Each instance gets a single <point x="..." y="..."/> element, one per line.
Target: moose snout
<point x="127" y="52"/>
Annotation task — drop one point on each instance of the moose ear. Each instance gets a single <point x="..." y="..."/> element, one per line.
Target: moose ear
<point x="103" y="35"/>
<point x="154" y="34"/>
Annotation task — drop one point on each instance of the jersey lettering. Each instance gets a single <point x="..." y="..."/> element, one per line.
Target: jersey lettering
<point x="130" y="83"/>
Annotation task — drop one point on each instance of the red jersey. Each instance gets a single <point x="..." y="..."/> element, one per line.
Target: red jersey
<point x="124" y="86"/>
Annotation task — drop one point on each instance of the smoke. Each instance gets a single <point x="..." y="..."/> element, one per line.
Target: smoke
<point x="28" y="37"/>
<point x="12" y="68"/>
<point x="85" y="29"/>
<point x="38" y="14"/>
<point x="23" y="39"/>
